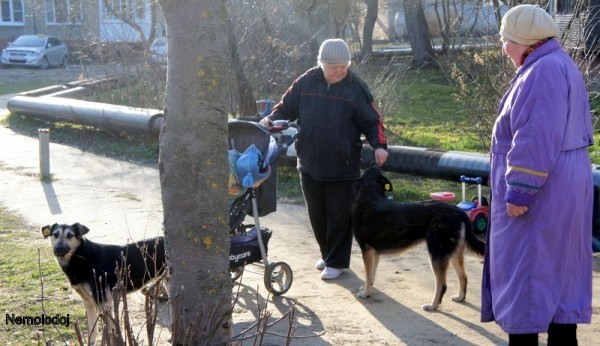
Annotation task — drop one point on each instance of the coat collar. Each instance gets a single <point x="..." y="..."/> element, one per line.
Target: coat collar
<point x="545" y="49"/>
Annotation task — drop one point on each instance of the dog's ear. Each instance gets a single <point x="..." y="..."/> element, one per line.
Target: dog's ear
<point x="80" y="229"/>
<point x="47" y="230"/>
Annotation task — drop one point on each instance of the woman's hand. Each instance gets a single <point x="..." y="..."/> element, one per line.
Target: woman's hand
<point x="381" y="156"/>
<point x="266" y="122"/>
<point x="515" y="210"/>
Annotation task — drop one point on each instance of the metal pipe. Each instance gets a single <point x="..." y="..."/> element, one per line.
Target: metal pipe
<point x="440" y="164"/>
<point x="44" y="90"/>
<point x="404" y="51"/>
<point x="431" y="163"/>
<point x="71" y="92"/>
<point x="102" y="115"/>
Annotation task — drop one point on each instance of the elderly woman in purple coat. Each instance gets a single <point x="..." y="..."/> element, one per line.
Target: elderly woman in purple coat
<point x="538" y="265"/>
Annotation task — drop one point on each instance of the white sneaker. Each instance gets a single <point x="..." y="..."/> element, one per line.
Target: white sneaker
<point x="330" y="273"/>
<point x="321" y="264"/>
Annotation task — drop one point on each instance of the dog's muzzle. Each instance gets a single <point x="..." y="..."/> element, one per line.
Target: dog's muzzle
<point x="60" y="251"/>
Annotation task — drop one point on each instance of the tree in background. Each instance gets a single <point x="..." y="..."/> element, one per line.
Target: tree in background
<point x="370" y="19"/>
<point x="192" y="160"/>
<point x="276" y="41"/>
<point x="418" y="34"/>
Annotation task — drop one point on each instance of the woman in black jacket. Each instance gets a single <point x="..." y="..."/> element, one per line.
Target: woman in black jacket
<point x="333" y="107"/>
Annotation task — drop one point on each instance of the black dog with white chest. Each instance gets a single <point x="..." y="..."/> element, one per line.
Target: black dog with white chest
<point x="382" y="226"/>
<point x="94" y="269"/>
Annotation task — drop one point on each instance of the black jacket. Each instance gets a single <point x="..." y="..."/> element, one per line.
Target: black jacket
<point x="331" y="119"/>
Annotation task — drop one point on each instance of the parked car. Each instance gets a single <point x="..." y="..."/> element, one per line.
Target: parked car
<point x="35" y="50"/>
<point x="158" y="50"/>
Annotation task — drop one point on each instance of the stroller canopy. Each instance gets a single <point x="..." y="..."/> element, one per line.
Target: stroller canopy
<point x="250" y="146"/>
<point x="242" y="134"/>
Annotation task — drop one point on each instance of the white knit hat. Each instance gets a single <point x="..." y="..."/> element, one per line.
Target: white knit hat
<point x="527" y="25"/>
<point x="334" y="51"/>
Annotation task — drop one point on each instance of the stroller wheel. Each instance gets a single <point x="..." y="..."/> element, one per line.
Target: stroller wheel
<point x="236" y="273"/>
<point x="278" y="278"/>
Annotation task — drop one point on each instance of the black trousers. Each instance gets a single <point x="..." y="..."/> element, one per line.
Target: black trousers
<point x="558" y="335"/>
<point x="329" y="207"/>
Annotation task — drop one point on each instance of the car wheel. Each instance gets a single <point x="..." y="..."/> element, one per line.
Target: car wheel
<point x="64" y="62"/>
<point x="44" y="65"/>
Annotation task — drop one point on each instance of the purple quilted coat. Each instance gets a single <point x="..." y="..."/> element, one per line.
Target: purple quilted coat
<point x="538" y="266"/>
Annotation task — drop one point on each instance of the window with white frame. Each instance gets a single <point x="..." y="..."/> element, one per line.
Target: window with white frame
<point x="11" y="12"/>
<point x="134" y="10"/>
<point x="63" y="11"/>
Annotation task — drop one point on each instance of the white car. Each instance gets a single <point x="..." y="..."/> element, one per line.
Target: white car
<point x="35" y="50"/>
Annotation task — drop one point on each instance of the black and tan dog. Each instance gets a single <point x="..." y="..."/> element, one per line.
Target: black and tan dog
<point x="382" y="226"/>
<point x="94" y="269"/>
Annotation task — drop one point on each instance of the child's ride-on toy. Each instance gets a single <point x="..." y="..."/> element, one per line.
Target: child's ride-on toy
<point x="478" y="208"/>
<point x="478" y="211"/>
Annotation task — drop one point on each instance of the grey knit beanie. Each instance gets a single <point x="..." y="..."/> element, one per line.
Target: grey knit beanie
<point x="527" y="24"/>
<point x="334" y="51"/>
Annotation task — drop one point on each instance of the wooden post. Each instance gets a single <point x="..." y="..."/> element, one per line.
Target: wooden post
<point x="44" y="139"/>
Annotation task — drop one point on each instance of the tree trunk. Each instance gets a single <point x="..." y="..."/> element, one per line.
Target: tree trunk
<point x="370" y="19"/>
<point x="444" y="22"/>
<point x="246" y="103"/>
<point x="321" y="26"/>
<point x="497" y="13"/>
<point x="418" y="33"/>
<point x="393" y="8"/>
<point x="192" y="162"/>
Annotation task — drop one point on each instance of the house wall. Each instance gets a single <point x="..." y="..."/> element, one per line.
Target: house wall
<point x="35" y="23"/>
<point x="9" y="32"/>
<point x="91" y="29"/>
<point x="87" y="29"/>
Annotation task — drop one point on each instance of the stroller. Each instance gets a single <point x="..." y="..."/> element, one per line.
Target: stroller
<point x="253" y="156"/>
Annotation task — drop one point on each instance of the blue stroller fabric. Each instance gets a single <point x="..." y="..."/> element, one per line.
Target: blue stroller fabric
<point x="251" y="167"/>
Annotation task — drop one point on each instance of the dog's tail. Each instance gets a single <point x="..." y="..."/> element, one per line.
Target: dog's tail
<point x="473" y="243"/>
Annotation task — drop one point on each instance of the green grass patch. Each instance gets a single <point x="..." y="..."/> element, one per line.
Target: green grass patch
<point x="17" y="87"/>
<point x="142" y="149"/>
<point x="427" y="99"/>
<point x="288" y="185"/>
<point x="143" y="94"/>
<point x="448" y="136"/>
<point x="32" y="284"/>
<point x="429" y="116"/>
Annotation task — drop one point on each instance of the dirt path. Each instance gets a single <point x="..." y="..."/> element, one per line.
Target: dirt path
<point x="120" y="201"/>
